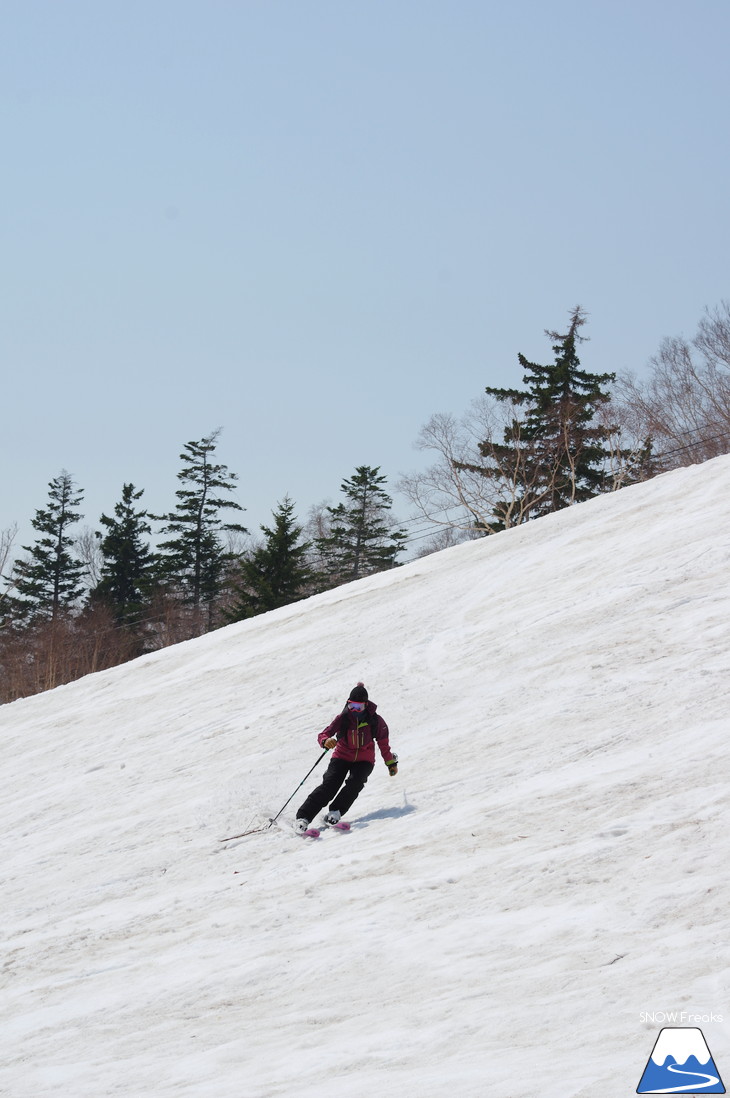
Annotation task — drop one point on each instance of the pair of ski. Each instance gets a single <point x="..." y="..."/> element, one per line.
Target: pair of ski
<point x="315" y="832"/>
<point x="310" y="833"/>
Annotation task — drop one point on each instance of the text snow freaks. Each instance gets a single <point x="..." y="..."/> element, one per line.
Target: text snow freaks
<point x="677" y="1017"/>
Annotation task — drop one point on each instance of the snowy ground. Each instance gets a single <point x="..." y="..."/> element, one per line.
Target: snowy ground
<point x="549" y="866"/>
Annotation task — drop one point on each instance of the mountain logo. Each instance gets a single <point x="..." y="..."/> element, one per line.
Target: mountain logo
<point x="680" y="1063"/>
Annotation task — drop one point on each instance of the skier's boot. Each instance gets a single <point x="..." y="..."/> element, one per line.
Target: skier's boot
<point x="332" y="817"/>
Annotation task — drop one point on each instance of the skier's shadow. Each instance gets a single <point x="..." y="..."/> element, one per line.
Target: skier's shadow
<point x="386" y="814"/>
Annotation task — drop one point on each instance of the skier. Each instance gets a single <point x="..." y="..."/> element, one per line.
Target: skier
<point x="351" y="737"/>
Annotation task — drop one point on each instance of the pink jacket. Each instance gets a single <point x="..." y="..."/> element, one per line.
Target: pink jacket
<point x="354" y="735"/>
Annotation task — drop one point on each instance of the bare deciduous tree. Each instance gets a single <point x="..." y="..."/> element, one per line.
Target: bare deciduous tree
<point x="472" y="486"/>
<point x="449" y="493"/>
<point x="317" y="528"/>
<point x="7" y="541"/>
<point x="444" y="538"/>
<point x="685" y="403"/>
<point x="478" y="489"/>
<point x="88" y="551"/>
<point x="629" y="453"/>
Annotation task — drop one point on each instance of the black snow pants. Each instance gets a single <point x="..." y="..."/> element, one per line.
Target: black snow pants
<point x="357" y="773"/>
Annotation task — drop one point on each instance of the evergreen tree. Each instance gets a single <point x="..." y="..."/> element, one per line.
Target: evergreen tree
<point x="127" y="564"/>
<point x="276" y="573"/>
<point x="50" y="580"/>
<point x="553" y="454"/>
<point x="194" y="558"/>
<point x="362" y="538"/>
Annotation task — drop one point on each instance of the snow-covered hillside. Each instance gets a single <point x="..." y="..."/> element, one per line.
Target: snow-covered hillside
<point x="548" y="868"/>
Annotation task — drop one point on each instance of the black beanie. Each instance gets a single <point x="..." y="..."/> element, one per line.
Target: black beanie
<point x="358" y="693"/>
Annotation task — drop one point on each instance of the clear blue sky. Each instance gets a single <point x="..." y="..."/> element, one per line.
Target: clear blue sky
<point x="314" y="223"/>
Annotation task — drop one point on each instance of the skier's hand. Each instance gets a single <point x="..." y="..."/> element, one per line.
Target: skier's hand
<point x="392" y="767"/>
<point x="330" y="743"/>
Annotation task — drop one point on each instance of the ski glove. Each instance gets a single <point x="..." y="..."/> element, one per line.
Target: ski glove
<point x="330" y="743"/>
<point x="392" y="765"/>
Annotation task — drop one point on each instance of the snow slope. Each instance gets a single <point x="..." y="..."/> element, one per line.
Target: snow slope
<point x="549" y="865"/>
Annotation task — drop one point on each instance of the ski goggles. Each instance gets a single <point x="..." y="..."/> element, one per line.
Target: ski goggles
<point x="356" y="707"/>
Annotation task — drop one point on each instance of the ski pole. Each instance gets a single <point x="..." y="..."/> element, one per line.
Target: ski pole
<point x="273" y="819"/>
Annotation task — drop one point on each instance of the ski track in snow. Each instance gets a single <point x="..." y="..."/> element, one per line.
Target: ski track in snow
<point x="549" y="862"/>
